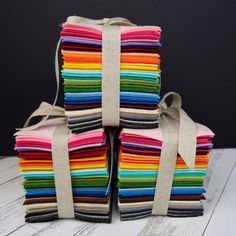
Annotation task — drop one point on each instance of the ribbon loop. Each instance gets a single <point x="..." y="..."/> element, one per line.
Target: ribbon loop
<point x="176" y="100"/>
<point x="47" y="111"/>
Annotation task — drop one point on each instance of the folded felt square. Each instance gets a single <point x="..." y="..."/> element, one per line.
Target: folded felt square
<point x="89" y="159"/>
<point x="139" y="159"/>
<point x="82" y="74"/>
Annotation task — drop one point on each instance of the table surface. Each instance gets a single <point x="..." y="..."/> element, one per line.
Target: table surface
<point x="218" y="219"/>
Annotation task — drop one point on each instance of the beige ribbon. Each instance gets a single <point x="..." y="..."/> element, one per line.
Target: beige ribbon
<point x="110" y="75"/>
<point x="179" y="136"/>
<point x="105" y="21"/>
<point x="110" y="65"/>
<point x="61" y="169"/>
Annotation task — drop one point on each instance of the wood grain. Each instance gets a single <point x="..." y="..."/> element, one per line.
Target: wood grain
<point x="218" y="219"/>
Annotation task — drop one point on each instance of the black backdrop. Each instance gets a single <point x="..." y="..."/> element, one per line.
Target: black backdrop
<point x="198" y="56"/>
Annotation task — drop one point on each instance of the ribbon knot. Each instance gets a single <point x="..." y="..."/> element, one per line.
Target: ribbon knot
<point x="106" y="21"/>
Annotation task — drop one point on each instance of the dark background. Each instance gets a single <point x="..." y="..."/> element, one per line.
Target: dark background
<point x="198" y="56"/>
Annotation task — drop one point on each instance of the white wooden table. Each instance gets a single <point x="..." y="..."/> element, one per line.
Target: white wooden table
<point x="219" y="217"/>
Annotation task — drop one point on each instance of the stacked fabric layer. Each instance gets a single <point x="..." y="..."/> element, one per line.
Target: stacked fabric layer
<point x="139" y="158"/>
<point x="89" y="165"/>
<point x="139" y="75"/>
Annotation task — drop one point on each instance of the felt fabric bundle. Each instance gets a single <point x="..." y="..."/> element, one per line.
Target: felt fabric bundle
<point x="139" y="157"/>
<point x="89" y="164"/>
<point x="82" y="74"/>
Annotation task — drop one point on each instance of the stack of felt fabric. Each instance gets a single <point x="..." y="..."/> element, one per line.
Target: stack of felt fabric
<point x="89" y="165"/>
<point x="139" y="158"/>
<point x="139" y="76"/>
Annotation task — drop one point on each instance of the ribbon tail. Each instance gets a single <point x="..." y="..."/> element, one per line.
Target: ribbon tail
<point x="187" y="139"/>
<point x="166" y="166"/>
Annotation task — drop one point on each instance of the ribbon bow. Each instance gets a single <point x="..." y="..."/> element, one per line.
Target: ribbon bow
<point x="119" y="21"/>
<point x="187" y="127"/>
<point x="46" y="111"/>
<point x="179" y="136"/>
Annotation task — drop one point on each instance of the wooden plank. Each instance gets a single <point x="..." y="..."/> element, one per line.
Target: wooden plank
<point x="223" y="220"/>
<point x="11" y="216"/>
<point x="75" y="227"/>
<point x="219" y="169"/>
<point x="117" y="228"/>
<point x="11" y="191"/>
<point x="220" y="166"/>
<point x="59" y="228"/>
<point x="8" y="169"/>
<point x="7" y="162"/>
